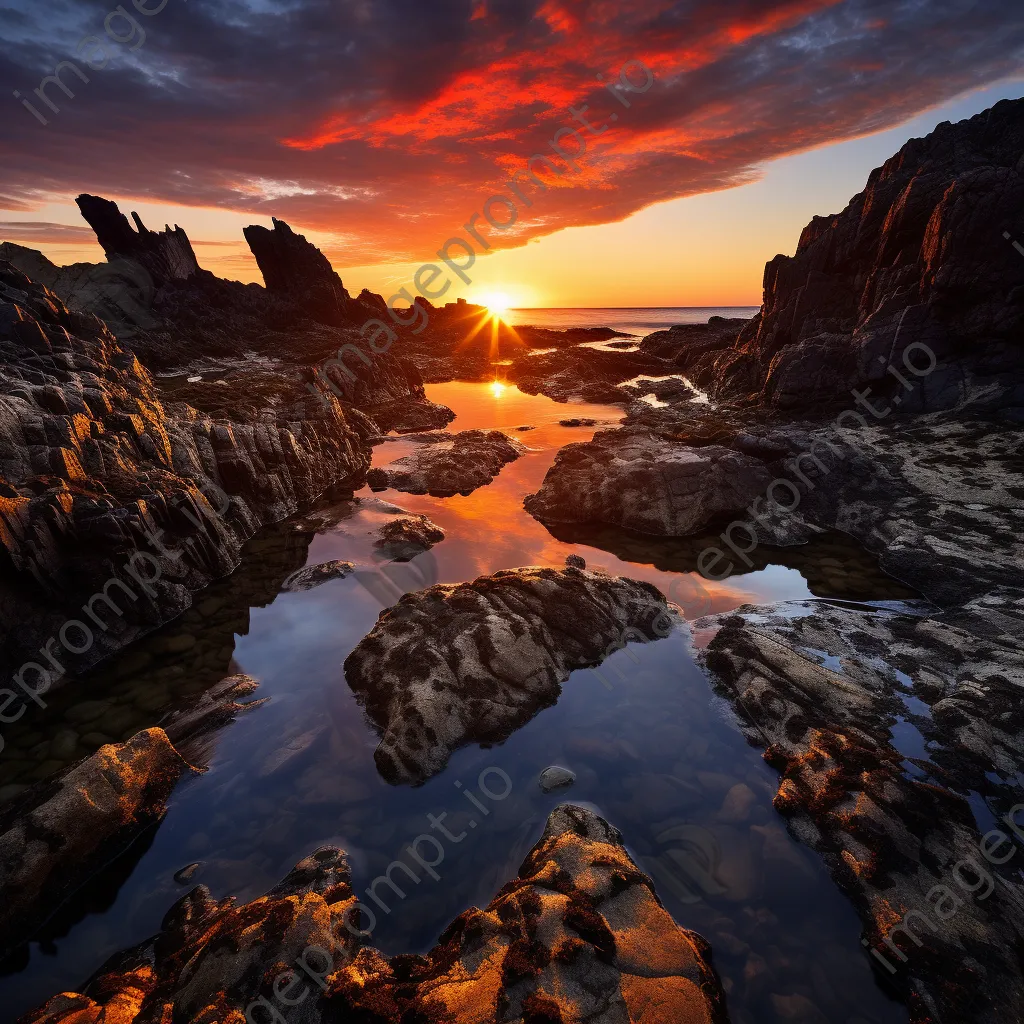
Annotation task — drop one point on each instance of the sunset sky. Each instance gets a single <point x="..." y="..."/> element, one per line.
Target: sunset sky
<point x="379" y="128"/>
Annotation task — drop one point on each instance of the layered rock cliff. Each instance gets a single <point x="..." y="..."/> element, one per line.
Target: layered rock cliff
<point x="103" y="485"/>
<point x="920" y="257"/>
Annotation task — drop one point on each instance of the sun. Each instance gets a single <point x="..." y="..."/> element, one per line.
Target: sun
<point x="497" y="303"/>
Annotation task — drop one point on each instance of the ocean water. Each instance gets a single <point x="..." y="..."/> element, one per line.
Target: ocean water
<point x="636" y="320"/>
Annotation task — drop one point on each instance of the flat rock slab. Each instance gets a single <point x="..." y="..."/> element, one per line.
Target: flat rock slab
<point x="444" y="464"/>
<point x="644" y="482"/>
<point x="580" y="930"/>
<point x="472" y="662"/>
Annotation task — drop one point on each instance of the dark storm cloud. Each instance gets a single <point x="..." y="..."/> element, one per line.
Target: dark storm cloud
<point x="389" y="121"/>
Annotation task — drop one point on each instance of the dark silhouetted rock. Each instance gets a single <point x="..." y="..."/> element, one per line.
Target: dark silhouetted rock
<point x="167" y="254"/>
<point x="918" y="258"/>
<point x="299" y="271"/>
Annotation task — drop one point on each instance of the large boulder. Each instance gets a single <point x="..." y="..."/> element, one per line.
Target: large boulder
<point x="580" y="934"/>
<point x="472" y="662"/>
<point x="645" y="482"/>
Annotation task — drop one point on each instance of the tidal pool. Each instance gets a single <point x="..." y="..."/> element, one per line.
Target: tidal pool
<point x="654" y="750"/>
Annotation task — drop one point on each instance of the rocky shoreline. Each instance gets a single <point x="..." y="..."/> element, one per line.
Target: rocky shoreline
<point x="877" y="396"/>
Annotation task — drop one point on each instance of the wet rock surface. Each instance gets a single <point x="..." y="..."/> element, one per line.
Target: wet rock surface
<point x="556" y="777"/>
<point x="52" y="838"/>
<point x="472" y="662"/>
<point x="407" y="536"/>
<point x="95" y="469"/>
<point x="444" y="464"/>
<point x="638" y="480"/>
<point x="578" y="931"/>
<point x="885" y="726"/>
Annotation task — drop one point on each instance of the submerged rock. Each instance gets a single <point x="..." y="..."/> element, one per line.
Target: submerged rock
<point x="187" y="873"/>
<point x="556" y="777"/>
<point x="579" y="930"/>
<point x="472" y="662"/>
<point x="76" y="824"/>
<point x="879" y="723"/>
<point x="445" y="464"/>
<point x="312" y="576"/>
<point x="402" y="539"/>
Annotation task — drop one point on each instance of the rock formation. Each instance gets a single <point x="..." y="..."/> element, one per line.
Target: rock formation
<point x="75" y="824"/>
<point x="579" y="935"/>
<point x="95" y="469"/>
<point x="444" y="464"/>
<point x="646" y="483"/>
<point x="175" y="320"/>
<point x="312" y="576"/>
<point x="472" y="662"/>
<point x="832" y="693"/>
<point x="299" y="271"/>
<point x="918" y="258"/>
<point x="402" y="539"/>
<point x="878" y="393"/>
<point x="166" y="255"/>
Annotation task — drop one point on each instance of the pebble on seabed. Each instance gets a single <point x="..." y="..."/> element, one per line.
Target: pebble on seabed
<point x="186" y="874"/>
<point x="556" y="777"/>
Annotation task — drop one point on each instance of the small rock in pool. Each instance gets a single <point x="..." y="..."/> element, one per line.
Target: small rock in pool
<point x="186" y="874"/>
<point x="556" y="777"/>
<point x="524" y="428"/>
<point x="577" y="423"/>
<point x="575" y="562"/>
<point x="404" y="538"/>
<point x="314" y="575"/>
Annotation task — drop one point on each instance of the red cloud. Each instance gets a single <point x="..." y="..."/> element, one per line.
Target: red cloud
<point x="388" y="124"/>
